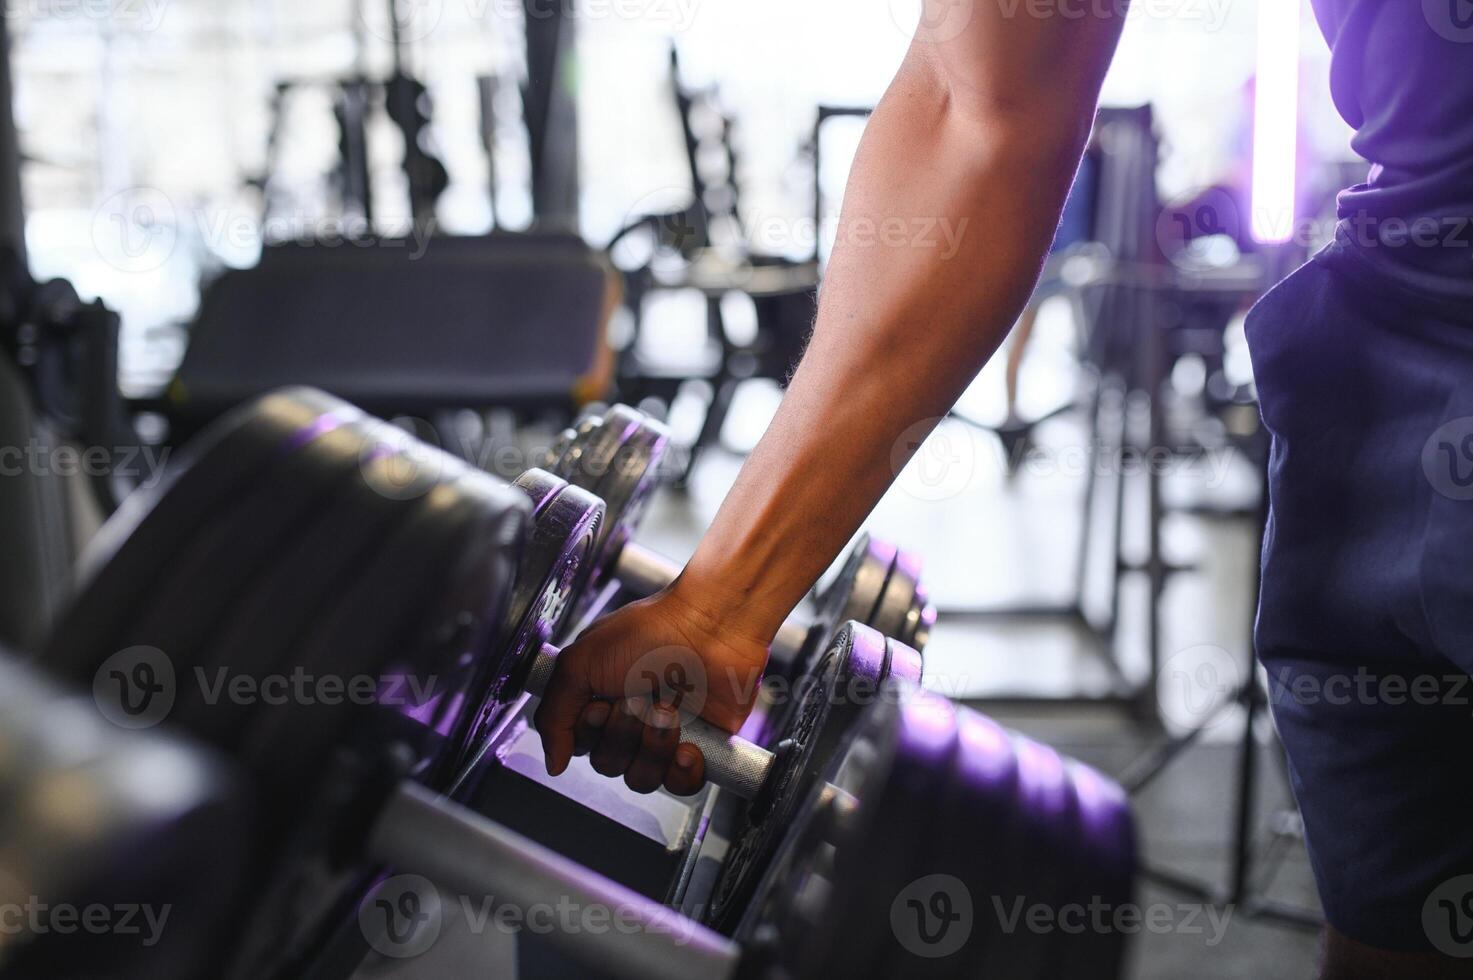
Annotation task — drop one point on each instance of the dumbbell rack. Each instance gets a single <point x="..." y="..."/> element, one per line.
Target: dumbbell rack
<point x="653" y="845"/>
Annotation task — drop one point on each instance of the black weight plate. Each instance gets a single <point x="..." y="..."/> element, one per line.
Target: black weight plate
<point x="289" y="748"/>
<point x="315" y="562"/>
<point x="901" y="661"/>
<point x="561" y="443"/>
<point x="875" y="560"/>
<point x="825" y="704"/>
<point x="588" y="464"/>
<point x="1100" y="862"/>
<point x="854" y="594"/>
<point x="420" y="607"/>
<point x="782" y="911"/>
<point x="632" y="473"/>
<point x="755" y="841"/>
<point x="893" y="609"/>
<point x="1028" y="868"/>
<point x="465" y="622"/>
<point x="629" y="480"/>
<point x="183" y="614"/>
<point x="122" y="563"/>
<point x="598" y="448"/>
<point x="566" y="523"/>
<point x="824" y="907"/>
<point x="559" y="542"/>
<point x="377" y="620"/>
<point x="975" y="813"/>
<point x="920" y="620"/>
<point x="875" y="869"/>
<point x="574" y="442"/>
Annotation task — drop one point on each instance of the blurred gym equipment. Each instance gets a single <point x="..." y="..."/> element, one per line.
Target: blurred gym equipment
<point x="704" y="247"/>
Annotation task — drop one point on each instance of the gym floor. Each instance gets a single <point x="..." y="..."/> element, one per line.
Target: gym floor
<point x="991" y="540"/>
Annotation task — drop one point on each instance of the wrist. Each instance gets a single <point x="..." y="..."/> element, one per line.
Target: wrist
<point x="722" y="599"/>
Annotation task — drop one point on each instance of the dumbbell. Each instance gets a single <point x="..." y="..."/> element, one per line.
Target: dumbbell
<point x="617" y="455"/>
<point x="880" y="584"/>
<point x="419" y="584"/>
<point x="806" y="716"/>
<point x="84" y="798"/>
<point x="929" y="819"/>
<point x="564" y="528"/>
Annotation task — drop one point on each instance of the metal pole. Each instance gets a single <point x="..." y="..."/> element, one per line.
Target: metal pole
<point x="551" y="112"/>
<point x="12" y="210"/>
<point x="460" y="850"/>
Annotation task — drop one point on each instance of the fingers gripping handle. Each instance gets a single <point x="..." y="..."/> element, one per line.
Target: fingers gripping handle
<point x="732" y="763"/>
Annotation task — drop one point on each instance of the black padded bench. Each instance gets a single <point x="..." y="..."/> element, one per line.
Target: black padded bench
<point x="403" y="327"/>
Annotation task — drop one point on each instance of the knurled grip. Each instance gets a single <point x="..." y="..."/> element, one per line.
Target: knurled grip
<point x="732" y="763"/>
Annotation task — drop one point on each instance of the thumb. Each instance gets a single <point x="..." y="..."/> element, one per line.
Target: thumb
<point x="557" y="716"/>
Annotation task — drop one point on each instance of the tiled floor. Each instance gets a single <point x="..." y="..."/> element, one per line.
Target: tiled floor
<point x="989" y="540"/>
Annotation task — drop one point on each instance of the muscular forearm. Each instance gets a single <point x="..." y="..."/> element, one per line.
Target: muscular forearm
<point x="949" y="210"/>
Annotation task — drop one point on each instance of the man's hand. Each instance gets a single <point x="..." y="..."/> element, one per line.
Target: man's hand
<point x="621" y="690"/>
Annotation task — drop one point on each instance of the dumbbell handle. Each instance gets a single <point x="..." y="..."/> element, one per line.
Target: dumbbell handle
<point x="645" y="572"/>
<point x="732" y="763"/>
<point x="463" y="852"/>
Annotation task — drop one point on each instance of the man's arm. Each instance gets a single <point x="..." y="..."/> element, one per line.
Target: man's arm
<point x="977" y="138"/>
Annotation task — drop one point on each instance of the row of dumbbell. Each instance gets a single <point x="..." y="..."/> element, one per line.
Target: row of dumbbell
<point x="293" y="544"/>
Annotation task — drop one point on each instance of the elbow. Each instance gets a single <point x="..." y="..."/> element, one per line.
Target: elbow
<point x="1038" y="128"/>
<point x="1025" y="137"/>
<point x="1031" y="92"/>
